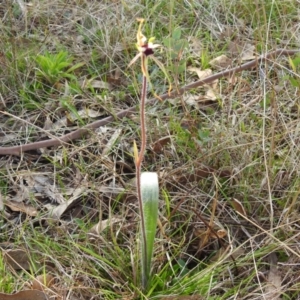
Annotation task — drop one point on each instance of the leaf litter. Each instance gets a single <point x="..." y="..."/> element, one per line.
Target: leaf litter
<point x="25" y="295"/>
<point x="17" y="259"/>
<point x="210" y="90"/>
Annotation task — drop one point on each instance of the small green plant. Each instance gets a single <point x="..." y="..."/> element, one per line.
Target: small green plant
<point x="295" y="79"/>
<point x="54" y="67"/>
<point x="6" y="279"/>
<point x="175" y="45"/>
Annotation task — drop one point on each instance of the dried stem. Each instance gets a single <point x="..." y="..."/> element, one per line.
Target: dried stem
<point x="17" y="150"/>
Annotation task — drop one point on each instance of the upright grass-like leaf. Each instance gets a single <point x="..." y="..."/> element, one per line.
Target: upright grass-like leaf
<point x="150" y="194"/>
<point x="147" y="183"/>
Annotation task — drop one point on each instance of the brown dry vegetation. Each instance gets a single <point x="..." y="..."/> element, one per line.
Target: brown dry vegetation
<point x="227" y="156"/>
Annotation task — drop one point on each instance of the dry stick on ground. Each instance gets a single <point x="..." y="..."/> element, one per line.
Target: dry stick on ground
<point x="17" y="150"/>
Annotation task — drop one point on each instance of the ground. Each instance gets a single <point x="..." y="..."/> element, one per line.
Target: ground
<point x="226" y="153"/>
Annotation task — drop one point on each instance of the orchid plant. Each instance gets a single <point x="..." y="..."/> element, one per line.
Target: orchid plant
<point x="147" y="182"/>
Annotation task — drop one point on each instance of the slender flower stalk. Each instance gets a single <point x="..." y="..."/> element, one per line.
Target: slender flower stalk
<point x="138" y="169"/>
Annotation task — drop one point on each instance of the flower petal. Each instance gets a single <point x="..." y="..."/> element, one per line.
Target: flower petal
<point x="134" y="59"/>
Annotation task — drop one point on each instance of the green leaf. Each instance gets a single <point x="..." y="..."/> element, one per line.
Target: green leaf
<point x="150" y="195"/>
<point x="176" y="33"/>
<point x="179" y="45"/>
<point x="75" y="67"/>
<point x="296" y="61"/>
<point x="295" y="82"/>
<point x="168" y="42"/>
<point x="73" y="110"/>
<point x="53" y="67"/>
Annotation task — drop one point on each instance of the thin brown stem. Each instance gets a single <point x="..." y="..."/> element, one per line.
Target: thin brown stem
<point x="138" y="166"/>
<point x="143" y="119"/>
<point x="17" y="150"/>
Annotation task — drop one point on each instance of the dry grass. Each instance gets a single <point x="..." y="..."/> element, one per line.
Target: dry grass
<point x="228" y="166"/>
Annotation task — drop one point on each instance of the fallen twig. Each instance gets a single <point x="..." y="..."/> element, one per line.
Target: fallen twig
<point x="17" y="150"/>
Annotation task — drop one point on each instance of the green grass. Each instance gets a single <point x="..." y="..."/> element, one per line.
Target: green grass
<point x="48" y="54"/>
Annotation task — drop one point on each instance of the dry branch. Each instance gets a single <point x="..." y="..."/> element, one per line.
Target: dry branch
<point x="17" y="150"/>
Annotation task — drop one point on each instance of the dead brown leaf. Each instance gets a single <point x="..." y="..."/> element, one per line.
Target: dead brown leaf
<point x="7" y="138"/>
<point x="235" y="48"/>
<point x="248" y="52"/>
<point x="71" y="118"/>
<point x="241" y="49"/>
<point x="22" y="190"/>
<point x="17" y="259"/>
<point x="111" y="190"/>
<point x="48" y="123"/>
<point x="200" y="101"/>
<point x="192" y="100"/>
<point x="205" y="235"/>
<point x="95" y="84"/>
<point x="221" y="233"/>
<point x="42" y="281"/>
<point x="111" y="141"/>
<point x="203" y="74"/>
<point x="274" y="288"/>
<point x="210" y="94"/>
<point x="200" y="73"/>
<point x="196" y="47"/>
<point x="210" y="90"/>
<point x="44" y="186"/>
<point x="57" y="211"/>
<point x="221" y="62"/>
<point x="102" y="225"/>
<point x="21" y="207"/>
<point x="158" y="145"/>
<point x="25" y="295"/>
<point x="238" y="206"/>
<point x="29" y="184"/>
